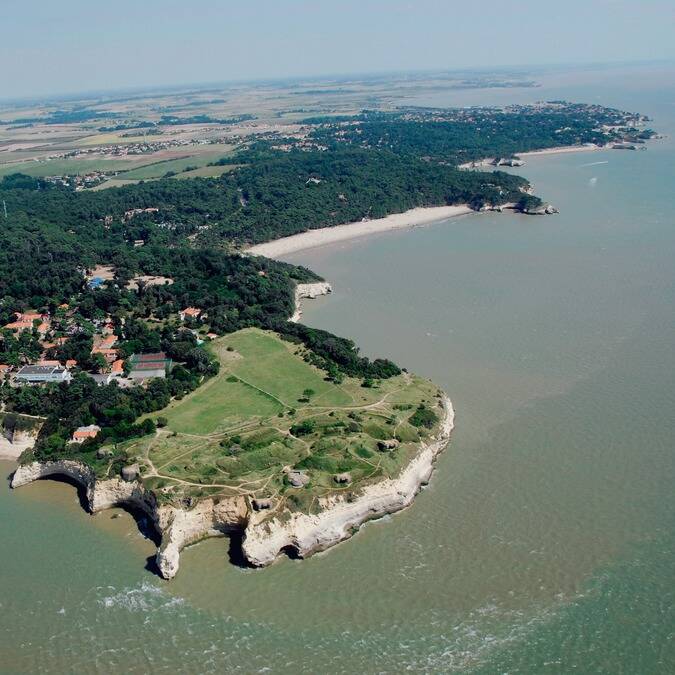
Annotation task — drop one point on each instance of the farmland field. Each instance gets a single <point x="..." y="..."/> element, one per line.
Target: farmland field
<point x="207" y="171"/>
<point x="59" y="167"/>
<point x="193" y="158"/>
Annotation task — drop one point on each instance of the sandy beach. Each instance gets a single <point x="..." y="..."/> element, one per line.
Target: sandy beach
<point x="12" y="451"/>
<point x="488" y="161"/>
<point x="561" y="150"/>
<point x="331" y="235"/>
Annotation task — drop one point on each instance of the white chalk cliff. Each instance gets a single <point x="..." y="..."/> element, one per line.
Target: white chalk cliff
<point x="308" y="291"/>
<point x="266" y="535"/>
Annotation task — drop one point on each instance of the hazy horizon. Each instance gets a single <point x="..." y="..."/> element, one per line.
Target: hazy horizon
<point x="529" y="71"/>
<point x="55" y="50"/>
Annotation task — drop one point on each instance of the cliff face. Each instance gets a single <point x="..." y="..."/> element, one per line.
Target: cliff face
<point x="13" y="443"/>
<point x="177" y="527"/>
<point x="265" y="539"/>
<point x="309" y="291"/>
<point x="266" y="535"/>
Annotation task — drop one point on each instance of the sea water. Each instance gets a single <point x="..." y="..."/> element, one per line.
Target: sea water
<point x="546" y="540"/>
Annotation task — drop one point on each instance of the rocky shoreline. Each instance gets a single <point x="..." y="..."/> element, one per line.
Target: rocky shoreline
<point x="265" y="536"/>
<point x="340" y="518"/>
<point x="308" y="291"/>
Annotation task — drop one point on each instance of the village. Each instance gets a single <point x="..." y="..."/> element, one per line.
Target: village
<point x="49" y="334"/>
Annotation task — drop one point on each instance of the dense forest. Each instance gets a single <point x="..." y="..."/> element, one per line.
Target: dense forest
<point x="49" y="239"/>
<point x="464" y="135"/>
<point x="272" y="195"/>
<point x="341" y="170"/>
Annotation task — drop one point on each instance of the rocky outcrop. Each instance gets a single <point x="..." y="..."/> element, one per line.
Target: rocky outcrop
<point x="100" y="494"/>
<point x="177" y="527"/>
<point x="208" y="518"/>
<point x="308" y="291"/>
<point x="508" y="161"/>
<point x="13" y="443"/>
<point x="267" y="533"/>
<point x="543" y="210"/>
<point x="266" y="538"/>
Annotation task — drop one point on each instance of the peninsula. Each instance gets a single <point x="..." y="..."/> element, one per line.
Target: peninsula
<point x="149" y="357"/>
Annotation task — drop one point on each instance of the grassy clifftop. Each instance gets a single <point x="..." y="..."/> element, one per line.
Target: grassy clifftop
<point x="270" y="419"/>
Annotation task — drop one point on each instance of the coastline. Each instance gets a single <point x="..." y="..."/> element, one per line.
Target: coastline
<point x="488" y="162"/>
<point x="264" y="539"/>
<point x="331" y="235"/>
<point x="306" y="534"/>
<point x="309" y="291"/>
<point x="11" y="451"/>
<point x="563" y="150"/>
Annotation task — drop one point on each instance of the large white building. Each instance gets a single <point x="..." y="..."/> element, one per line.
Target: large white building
<point x="39" y="374"/>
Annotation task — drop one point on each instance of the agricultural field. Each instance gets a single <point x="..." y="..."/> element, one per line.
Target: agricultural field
<point x="129" y="169"/>
<point x="195" y="159"/>
<point x="269" y="417"/>
<point x="207" y="171"/>
<point x="60" y="167"/>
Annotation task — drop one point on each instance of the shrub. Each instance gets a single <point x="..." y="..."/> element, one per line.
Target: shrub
<point x="423" y="417"/>
<point x="304" y="428"/>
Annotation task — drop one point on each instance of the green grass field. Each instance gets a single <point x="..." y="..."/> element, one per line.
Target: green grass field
<point x="60" y="167"/>
<point x="207" y="171"/>
<point x="268" y="411"/>
<point x="196" y="158"/>
<point x="114" y="182"/>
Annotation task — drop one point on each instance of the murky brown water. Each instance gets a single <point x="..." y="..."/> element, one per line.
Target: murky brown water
<point x="546" y="540"/>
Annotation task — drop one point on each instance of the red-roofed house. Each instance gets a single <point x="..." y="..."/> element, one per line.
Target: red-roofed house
<point x="110" y="355"/>
<point x="24" y="321"/>
<point x="105" y="342"/>
<point x="189" y="313"/>
<point x="81" y="434"/>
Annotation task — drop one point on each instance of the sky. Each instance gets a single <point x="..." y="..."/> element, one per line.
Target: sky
<point x="70" y="46"/>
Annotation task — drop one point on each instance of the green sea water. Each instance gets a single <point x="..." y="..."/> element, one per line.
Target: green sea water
<point x="546" y="540"/>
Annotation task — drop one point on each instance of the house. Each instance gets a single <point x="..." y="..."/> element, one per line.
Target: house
<point x="104" y="342"/>
<point x="4" y="370"/>
<point x="71" y="363"/>
<point x="48" y="362"/>
<point x="103" y="346"/>
<point x="117" y="369"/>
<point x="110" y="355"/>
<point x="24" y="321"/>
<point x="81" y="434"/>
<point x="189" y="313"/>
<point x="101" y="378"/>
<point x="37" y="374"/>
<point x="145" y="366"/>
<point x="128" y="215"/>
